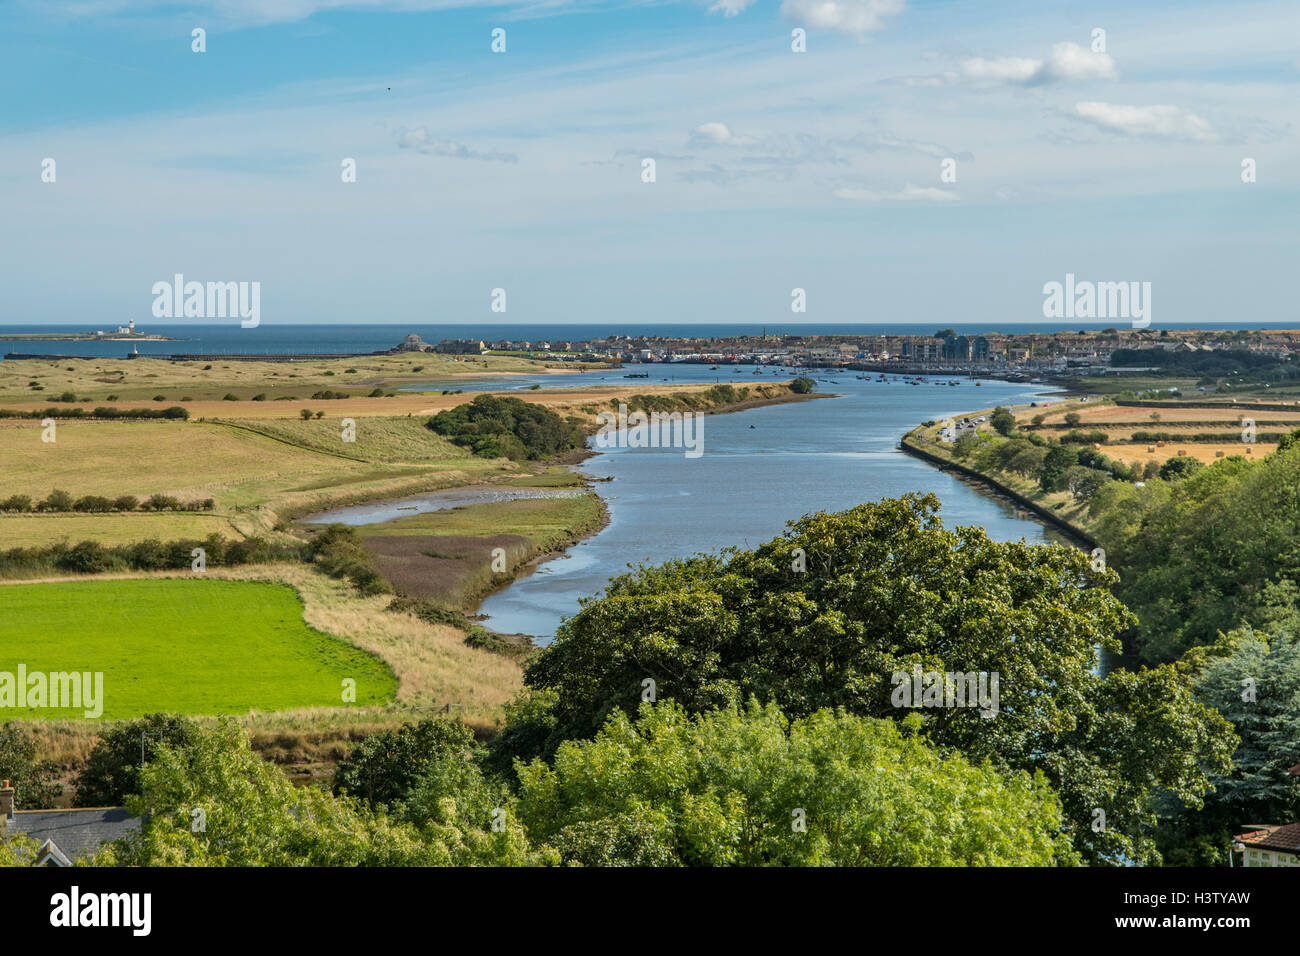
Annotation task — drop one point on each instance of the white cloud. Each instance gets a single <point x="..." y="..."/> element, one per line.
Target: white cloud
<point x="730" y="8"/>
<point x="854" y="17"/>
<point x="422" y="141"/>
<point x="1164" y="121"/>
<point x="1072" y="62"/>
<point x="908" y="193"/>
<point x="1005" y="69"/>
<point x="719" y="134"/>
<point x="1068" y="61"/>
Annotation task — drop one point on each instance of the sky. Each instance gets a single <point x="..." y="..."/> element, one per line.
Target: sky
<point x="921" y="161"/>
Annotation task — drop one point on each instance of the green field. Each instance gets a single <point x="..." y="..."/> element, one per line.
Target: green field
<point x="181" y="646"/>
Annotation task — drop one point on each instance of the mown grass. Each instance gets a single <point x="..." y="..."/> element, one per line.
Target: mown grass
<point x="436" y="673"/>
<point x="143" y="378"/>
<point x="42" y="530"/>
<point x="188" y="646"/>
<point x="376" y="439"/>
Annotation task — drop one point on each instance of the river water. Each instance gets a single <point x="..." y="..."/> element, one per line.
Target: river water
<point x="760" y="468"/>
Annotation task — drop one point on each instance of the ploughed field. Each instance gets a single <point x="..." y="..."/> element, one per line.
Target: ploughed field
<point x="180" y="646"/>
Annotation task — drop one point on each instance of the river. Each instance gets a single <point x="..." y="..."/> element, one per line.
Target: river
<point x="760" y="468"/>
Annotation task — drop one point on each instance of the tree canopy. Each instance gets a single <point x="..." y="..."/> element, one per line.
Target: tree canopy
<point x="822" y="616"/>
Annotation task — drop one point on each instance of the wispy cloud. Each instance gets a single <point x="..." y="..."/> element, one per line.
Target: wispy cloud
<point x="908" y="193"/>
<point x="422" y="141"/>
<point x="854" y="17"/>
<point x="1170" y="122"/>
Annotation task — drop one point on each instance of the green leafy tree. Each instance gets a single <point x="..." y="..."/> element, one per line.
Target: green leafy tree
<point x="802" y="385"/>
<point x="495" y="427"/>
<point x="742" y="786"/>
<point x="35" y="781"/>
<point x="385" y="767"/>
<point x="1058" y="460"/>
<point x="1003" y="422"/>
<point x="824" y="615"/>
<point x="215" y="802"/>
<point x="112" y="771"/>
<point x="1175" y="469"/>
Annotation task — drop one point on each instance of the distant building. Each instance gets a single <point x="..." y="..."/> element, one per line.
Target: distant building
<point x="128" y="329"/>
<point x="462" y="347"/>
<point x="413" y="343"/>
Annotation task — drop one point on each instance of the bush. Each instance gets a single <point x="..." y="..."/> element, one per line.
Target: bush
<point x="511" y="428"/>
<point x="158" y="502"/>
<point x="802" y="385"/>
<point x="306" y="414"/>
<point x="96" y="504"/>
<point x="57" y="501"/>
<point x="230" y="397"/>
<point x="87" y="557"/>
<point x="1176" y="469"/>
<point x="1003" y="422"/>
<point x="68" y="397"/>
<point x="16" y="503"/>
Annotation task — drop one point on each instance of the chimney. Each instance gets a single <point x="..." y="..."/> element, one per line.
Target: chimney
<point x="6" y="807"/>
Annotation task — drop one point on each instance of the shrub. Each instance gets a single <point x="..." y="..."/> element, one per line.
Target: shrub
<point x="305" y="413"/>
<point x="68" y="397"/>
<point x="17" y="503"/>
<point x="57" y="501"/>
<point x="96" y="504"/>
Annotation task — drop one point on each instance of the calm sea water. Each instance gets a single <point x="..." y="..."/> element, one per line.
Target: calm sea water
<point x="760" y="469"/>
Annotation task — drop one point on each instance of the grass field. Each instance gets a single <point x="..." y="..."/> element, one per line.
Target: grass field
<point x="143" y="378"/>
<point x="42" y="530"/>
<point x="183" y="646"/>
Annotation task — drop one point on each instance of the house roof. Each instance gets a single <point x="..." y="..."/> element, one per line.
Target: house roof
<point x="1283" y="838"/>
<point x="78" y="833"/>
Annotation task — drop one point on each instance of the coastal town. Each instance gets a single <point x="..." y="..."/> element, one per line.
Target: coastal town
<point x="1015" y="356"/>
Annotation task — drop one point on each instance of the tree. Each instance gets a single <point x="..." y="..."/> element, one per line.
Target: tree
<point x="1083" y="483"/>
<point x="745" y="787"/>
<point x="215" y="802"/>
<point x="826" y="614"/>
<point x="384" y="768"/>
<point x="1059" y="458"/>
<point x="1003" y="422"/>
<point x="1175" y="469"/>
<point x="802" y="385"/>
<point x="1073" y="419"/>
<point x="112" y="771"/>
<point x="495" y="427"/>
<point x="1253" y="679"/>
<point x="35" y="781"/>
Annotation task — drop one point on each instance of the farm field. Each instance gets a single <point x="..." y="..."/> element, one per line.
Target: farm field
<point x="183" y="646"/>
<point x="143" y="378"/>
<point x="41" y="530"/>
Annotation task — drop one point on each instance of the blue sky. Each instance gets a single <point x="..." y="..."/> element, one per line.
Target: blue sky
<point x="774" y="170"/>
